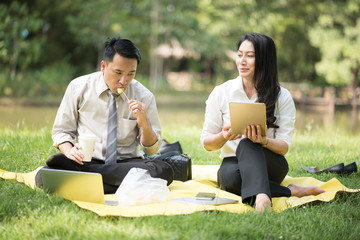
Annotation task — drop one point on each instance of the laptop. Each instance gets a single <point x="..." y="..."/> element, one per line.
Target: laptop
<point x="74" y="185"/>
<point x="245" y="114"/>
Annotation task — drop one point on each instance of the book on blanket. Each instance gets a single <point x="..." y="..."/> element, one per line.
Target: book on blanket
<point x="74" y="185"/>
<point x="212" y="201"/>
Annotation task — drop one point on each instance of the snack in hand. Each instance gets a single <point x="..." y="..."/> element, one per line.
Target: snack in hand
<point x="120" y="90"/>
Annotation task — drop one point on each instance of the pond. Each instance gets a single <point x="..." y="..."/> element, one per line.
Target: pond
<point x="39" y="117"/>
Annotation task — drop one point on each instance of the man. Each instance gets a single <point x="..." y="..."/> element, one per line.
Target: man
<point x="85" y="110"/>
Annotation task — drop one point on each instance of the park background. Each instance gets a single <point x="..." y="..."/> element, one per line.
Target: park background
<point x="188" y="47"/>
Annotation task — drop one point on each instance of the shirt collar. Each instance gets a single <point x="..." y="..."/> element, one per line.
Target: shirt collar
<point x="101" y="87"/>
<point x="241" y="89"/>
<point x="240" y="82"/>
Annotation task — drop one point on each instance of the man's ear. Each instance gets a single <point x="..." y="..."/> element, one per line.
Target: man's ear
<point x="102" y="65"/>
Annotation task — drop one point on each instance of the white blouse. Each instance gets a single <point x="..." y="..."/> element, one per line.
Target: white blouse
<point x="217" y="114"/>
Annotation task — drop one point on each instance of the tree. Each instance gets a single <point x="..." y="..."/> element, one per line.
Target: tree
<point x="337" y="35"/>
<point x="20" y="37"/>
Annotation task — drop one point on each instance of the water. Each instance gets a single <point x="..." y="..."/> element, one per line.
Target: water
<point x="31" y="117"/>
<point x="38" y="117"/>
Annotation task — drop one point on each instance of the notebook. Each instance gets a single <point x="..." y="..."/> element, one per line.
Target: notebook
<point x="74" y="185"/>
<point x="215" y="201"/>
<point x="245" y="114"/>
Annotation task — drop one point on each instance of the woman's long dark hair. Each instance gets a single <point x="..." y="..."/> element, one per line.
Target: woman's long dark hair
<point x="266" y="73"/>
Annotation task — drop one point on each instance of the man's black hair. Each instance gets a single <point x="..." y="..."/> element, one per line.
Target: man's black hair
<point x="123" y="47"/>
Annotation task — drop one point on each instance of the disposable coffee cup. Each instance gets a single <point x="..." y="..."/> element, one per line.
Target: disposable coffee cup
<point x="87" y="143"/>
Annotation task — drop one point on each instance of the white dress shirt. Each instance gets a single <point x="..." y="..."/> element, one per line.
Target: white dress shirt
<point x="217" y="114"/>
<point x="84" y="110"/>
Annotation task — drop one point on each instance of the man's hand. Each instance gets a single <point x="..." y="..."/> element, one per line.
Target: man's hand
<point x="139" y="109"/>
<point x="148" y="136"/>
<point x="72" y="152"/>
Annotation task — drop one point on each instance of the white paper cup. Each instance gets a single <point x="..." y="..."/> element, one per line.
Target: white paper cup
<point x="87" y="143"/>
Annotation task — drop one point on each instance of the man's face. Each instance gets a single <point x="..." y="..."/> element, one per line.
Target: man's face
<point x="119" y="73"/>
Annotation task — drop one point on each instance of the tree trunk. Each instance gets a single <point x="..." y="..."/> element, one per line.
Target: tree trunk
<point x="155" y="63"/>
<point x="15" y="57"/>
<point x="354" y="73"/>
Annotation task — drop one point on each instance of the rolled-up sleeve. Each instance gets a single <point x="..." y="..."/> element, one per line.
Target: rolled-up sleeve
<point x="213" y="121"/>
<point x="285" y="114"/>
<point x="65" y="124"/>
<point x="153" y="117"/>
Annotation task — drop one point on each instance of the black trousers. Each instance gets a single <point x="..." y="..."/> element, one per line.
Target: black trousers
<point x="254" y="170"/>
<point x="112" y="174"/>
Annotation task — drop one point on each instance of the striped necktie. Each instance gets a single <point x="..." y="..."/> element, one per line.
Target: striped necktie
<point x="112" y="126"/>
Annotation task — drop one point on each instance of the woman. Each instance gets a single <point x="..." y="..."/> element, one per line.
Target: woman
<point x="253" y="166"/>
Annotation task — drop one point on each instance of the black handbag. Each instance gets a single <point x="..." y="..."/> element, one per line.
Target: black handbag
<point x="170" y="147"/>
<point x="180" y="162"/>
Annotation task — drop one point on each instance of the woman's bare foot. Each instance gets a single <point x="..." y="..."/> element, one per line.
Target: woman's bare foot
<point x="299" y="191"/>
<point x="262" y="203"/>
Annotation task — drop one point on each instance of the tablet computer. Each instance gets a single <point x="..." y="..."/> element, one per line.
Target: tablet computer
<point x="245" y="114"/>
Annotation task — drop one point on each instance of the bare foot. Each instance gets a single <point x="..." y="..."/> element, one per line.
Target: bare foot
<point x="299" y="191"/>
<point x="262" y="203"/>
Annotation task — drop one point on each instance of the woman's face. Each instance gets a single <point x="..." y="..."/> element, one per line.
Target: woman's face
<point x="245" y="60"/>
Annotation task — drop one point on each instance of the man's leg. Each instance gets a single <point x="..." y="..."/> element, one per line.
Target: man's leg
<point x="60" y="161"/>
<point x="113" y="174"/>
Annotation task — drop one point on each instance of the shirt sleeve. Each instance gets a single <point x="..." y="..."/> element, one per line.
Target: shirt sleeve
<point x="65" y="124"/>
<point x="285" y="117"/>
<point x="213" y="121"/>
<point x="155" y="124"/>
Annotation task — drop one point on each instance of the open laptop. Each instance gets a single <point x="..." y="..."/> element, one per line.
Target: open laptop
<point x="74" y="185"/>
<point x="245" y="114"/>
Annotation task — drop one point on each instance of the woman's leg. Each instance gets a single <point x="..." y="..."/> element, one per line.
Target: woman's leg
<point x="229" y="180"/>
<point x="256" y="174"/>
<point x="277" y="170"/>
<point x="276" y="167"/>
<point x="298" y="191"/>
<point x="261" y="172"/>
<point x="253" y="170"/>
<point x="228" y="176"/>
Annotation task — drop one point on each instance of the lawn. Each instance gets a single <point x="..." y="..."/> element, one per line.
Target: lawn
<point x="33" y="214"/>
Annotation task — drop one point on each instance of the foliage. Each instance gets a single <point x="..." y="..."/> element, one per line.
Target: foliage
<point x="316" y="41"/>
<point x="336" y="34"/>
<point x="19" y="47"/>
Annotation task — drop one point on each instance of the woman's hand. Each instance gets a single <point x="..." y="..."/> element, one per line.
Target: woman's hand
<point x="216" y="141"/>
<point x="228" y="134"/>
<point x="253" y="133"/>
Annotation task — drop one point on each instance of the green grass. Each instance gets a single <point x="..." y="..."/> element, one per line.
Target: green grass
<point x="33" y="214"/>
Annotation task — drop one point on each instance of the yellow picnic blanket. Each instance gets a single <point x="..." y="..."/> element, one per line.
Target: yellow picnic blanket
<point x="204" y="180"/>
